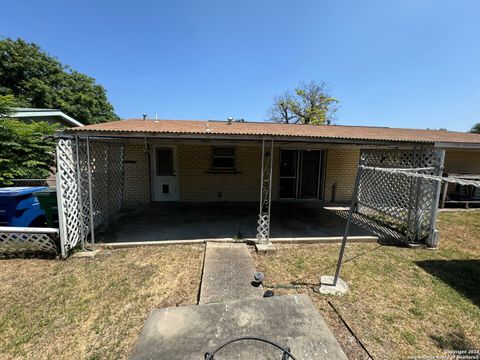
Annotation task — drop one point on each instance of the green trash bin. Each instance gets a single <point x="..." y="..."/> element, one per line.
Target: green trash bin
<point x="48" y="202"/>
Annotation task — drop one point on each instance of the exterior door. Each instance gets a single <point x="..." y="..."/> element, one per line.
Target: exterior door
<point x="300" y="174"/>
<point x="165" y="183"/>
<point x="310" y="174"/>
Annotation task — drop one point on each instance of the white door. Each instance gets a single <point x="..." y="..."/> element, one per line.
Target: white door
<point x="165" y="184"/>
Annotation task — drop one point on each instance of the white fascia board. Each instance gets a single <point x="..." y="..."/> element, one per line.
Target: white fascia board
<point x="64" y="116"/>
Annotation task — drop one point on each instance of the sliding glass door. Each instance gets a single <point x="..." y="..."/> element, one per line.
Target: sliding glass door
<point x="300" y="174"/>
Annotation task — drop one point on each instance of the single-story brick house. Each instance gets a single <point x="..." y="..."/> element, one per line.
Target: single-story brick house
<point x="223" y="161"/>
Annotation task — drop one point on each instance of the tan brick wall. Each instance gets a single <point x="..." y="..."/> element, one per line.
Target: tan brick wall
<point x="198" y="183"/>
<point x="341" y="169"/>
<point x="137" y="177"/>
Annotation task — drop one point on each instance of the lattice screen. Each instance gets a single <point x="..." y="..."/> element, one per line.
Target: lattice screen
<point x="107" y="174"/>
<point x="14" y="242"/>
<point x="406" y="203"/>
<point x="263" y="222"/>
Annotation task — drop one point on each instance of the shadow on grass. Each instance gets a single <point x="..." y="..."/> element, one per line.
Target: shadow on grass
<point x="461" y="275"/>
<point x="453" y="341"/>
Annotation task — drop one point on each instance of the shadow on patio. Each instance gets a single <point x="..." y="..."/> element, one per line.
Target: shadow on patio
<point x="235" y="220"/>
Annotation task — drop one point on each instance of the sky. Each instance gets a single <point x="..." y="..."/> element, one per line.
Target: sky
<point x="396" y="63"/>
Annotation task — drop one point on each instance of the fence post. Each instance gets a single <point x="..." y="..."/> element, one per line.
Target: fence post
<point x="432" y="240"/>
<point x="60" y="197"/>
<point x="80" y="200"/>
<point x="90" y="193"/>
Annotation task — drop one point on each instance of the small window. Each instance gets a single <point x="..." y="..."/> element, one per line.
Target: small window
<point x="164" y="162"/>
<point x="223" y="158"/>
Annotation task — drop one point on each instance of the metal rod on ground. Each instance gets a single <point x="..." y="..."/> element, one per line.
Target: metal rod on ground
<point x="349" y="221"/>
<point x="90" y="195"/>
<point x="79" y="189"/>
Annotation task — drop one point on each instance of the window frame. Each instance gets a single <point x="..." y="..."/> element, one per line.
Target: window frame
<point x="233" y="156"/>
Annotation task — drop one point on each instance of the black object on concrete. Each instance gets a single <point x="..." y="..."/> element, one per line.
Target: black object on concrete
<point x="285" y="350"/>
<point x="268" y="293"/>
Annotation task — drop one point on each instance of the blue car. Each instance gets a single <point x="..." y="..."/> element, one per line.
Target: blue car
<point x="19" y="207"/>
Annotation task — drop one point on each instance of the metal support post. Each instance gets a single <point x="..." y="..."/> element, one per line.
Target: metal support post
<point x="79" y="191"/>
<point x="349" y="221"/>
<point x="90" y="193"/>
<point x="432" y="240"/>
<point x="263" y="229"/>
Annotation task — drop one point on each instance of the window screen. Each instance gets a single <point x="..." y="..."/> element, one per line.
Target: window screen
<point x="223" y="157"/>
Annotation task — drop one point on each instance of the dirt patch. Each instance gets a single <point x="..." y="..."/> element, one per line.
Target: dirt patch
<point x="91" y="308"/>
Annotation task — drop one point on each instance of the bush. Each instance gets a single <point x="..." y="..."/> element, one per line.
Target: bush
<point x="26" y="150"/>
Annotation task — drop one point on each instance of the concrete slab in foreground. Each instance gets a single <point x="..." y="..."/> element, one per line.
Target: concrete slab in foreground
<point x="189" y="332"/>
<point x="228" y="274"/>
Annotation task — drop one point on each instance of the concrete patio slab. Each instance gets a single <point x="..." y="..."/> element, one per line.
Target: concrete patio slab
<point x="231" y="220"/>
<point x="189" y="332"/>
<point x="227" y="274"/>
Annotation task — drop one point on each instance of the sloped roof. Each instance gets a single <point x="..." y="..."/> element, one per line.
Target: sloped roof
<point x="260" y="129"/>
<point x="40" y="113"/>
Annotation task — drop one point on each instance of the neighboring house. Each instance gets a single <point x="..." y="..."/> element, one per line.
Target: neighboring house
<point x="52" y="116"/>
<point x="137" y="162"/>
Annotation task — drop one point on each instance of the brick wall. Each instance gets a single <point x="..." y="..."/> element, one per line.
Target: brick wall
<point x="198" y="183"/>
<point x="341" y="169"/>
<point x="137" y="177"/>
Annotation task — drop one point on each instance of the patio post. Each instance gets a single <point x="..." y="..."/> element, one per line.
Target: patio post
<point x="349" y="221"/>
<point x="263" y="229"/>
<point x="433" y="237"/>
<point x="79" y="190"/>
<point x="90" y="195"/>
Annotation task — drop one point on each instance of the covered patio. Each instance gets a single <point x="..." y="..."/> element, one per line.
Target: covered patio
<point x="304" y="221"/>
<point x="169" y="180"/>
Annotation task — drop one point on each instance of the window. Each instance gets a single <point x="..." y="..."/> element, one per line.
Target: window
<point x="164" y="162"/>
<point x="223" y="158"/>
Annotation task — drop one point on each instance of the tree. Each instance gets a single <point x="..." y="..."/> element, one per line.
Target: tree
<point x="310" y="104"/>
<point x="6" y="104"/>
<point x="39" y="80"/>
<point x="25" y="152"/>
<point x="475" y="129"/>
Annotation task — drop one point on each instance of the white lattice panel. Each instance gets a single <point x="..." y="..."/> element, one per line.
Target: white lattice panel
<point x="24" y="242"/>
<point x="106" y="166"/>
<point x="263" y="222"/>
<point x="405" y="202"/>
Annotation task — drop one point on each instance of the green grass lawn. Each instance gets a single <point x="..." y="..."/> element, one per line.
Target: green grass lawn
<point x="91" y="308"/>
<point x="403" y="302"/>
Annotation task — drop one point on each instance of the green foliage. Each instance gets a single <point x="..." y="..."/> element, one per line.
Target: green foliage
<point x="25" y="153"/>
<point x="475" y="129"/>
<point x="39" y="80"/>
<point x="6" y="103"/>
<point x="310" y="104"/>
